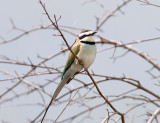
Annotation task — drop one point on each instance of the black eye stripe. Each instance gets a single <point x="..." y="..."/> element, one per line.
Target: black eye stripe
<point x="83" y="36"/>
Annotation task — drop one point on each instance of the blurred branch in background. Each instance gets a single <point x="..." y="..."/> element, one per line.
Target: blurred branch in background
<point x="146" y="2"/>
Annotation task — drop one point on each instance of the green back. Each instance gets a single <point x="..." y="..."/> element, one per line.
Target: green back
<point x="71" y="58"/>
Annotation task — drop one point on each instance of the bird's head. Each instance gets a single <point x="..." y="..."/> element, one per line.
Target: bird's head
<point x="87" y="35"/>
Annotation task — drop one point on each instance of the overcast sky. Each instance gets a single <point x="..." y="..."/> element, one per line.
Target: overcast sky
<point x="136" y="23"/>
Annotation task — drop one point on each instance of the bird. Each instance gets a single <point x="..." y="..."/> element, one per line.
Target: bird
<point x="85" y="49"/>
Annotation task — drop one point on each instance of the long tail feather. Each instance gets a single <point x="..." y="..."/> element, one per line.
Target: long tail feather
<point x="59" y="88"/>
<point x="57" y="91"/>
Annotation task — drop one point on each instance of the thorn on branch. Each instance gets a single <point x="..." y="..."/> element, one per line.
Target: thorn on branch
<point x="13" y="25"/>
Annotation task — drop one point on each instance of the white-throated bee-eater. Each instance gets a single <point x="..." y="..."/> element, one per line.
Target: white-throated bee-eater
<point x="85" y="50"/>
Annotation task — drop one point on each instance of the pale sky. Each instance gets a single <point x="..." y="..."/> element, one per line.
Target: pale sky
<point x="138" y="22"/>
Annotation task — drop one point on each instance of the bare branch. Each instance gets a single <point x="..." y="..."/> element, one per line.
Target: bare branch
<point x="157" y="112"/>
<point x="66" y="106"/>
<point x="146" y="2"/>
<point x="111" y="14"/>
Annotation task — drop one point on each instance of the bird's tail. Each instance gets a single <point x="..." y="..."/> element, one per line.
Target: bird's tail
<point x="57" y="91"/>
<point x="59" y="88"/>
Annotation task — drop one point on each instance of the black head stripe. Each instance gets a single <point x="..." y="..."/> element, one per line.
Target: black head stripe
<point x="83" y="36"/>
<point x="86" y="33"/>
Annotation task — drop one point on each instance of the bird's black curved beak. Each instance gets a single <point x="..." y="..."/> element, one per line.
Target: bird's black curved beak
<point x="94" y="33"/>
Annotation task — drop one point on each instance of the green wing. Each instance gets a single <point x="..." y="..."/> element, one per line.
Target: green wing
<point x="71" y="58"/>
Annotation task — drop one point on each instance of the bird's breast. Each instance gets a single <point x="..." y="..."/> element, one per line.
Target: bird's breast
<point x="87" y="54"/>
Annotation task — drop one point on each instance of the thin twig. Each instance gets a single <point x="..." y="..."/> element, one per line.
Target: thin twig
<point x="66" y="106"/>
<point x="154" y="115"/>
